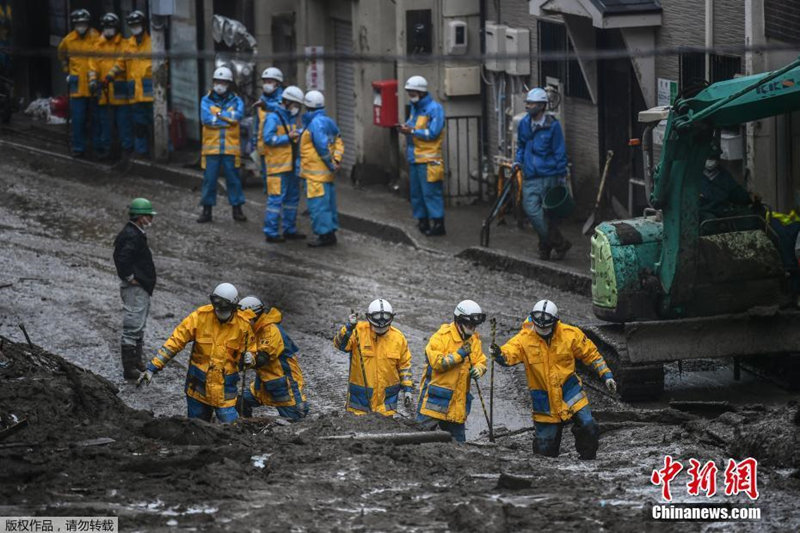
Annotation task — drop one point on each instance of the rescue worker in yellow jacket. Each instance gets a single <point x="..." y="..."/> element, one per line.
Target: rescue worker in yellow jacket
<point x="454" y="357"/>
<point x="321" y="152"/>
<point x="73" y="51"/>
<point x="110" y="87"/>
<point x="279" y="380"/>
<point x="380" y="362"/>
<point x="139" y="73"/>
<point x="221" y="110"/>
<point x="223" y="340"/>
<point x="548" y="349"/>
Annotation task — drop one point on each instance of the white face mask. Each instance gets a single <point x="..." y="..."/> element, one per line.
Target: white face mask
<point x="543" y="332"/>
<point x="711" y="164"/>
<point x="269" y="88"/>
<point x="220" y="88"/>
<point x="413" y="99"/>
<point x="81" y="28"/>
<point x="109" y="33"/>
<point x="136" y="30"/>
<point x="294" y="111"/>
<point x="379" y="331"/>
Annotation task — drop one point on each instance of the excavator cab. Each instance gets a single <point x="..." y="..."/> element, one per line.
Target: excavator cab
<point x="679" y="284"/>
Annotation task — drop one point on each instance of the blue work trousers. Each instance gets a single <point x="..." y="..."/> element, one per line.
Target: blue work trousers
<point x="290" y="412"/>
<point x="427" y="423"/>
<point x="109" y="117"/>
<point x="234" y="184"/>
<point x="584" y="428"/>
<point x="142" y="114"/>
<point x="427" y="199"/>
<point x="283" y="205"/>
<point x="82" y="114"/>
<point x="324" y="216"/>
<point x="533" y="193"/>
<point x="197" y="409"/>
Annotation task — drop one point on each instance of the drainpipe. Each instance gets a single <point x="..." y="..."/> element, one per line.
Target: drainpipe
<point x="709" y="35"/>
<point x="484" y="107"/>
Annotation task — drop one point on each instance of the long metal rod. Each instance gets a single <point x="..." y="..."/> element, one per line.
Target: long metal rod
<point x="480" y="395"/>
<point x="493" y="323"/>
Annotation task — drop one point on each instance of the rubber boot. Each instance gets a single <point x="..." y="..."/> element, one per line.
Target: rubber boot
<point x="129" y="362"/>
<point x="326" y="239"/>
<point x="587" y="439"/>
<point x="296" y="236"/>
<point x="238" y="215"/>
<point x="140" y="363"/>
<point x="437" y="229"/>
<point x="423" y="225"/>
<point x="205" y="216"/>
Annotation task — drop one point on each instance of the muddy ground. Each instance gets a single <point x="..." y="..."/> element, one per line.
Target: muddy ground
<point x="58" y="221"/>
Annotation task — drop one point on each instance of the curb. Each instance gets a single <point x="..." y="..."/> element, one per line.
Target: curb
<point x="380" y="230"/>
<point x="555" y="276"/>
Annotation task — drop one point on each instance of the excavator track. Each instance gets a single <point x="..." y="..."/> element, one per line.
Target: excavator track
<point x="636" y="382"/>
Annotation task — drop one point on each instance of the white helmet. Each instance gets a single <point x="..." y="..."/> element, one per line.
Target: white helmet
<point x="417" y="83"/>
<point x="252" y="303"/>
<point x="272" y="73"/>
<point x="314" y="100"/>
<point x="537" y="94"/>
<point x="468" y="316"/>
<point x="380" y="314"/>
<point x="224" y="299"/>
<point x="293" y="93"/>
<point x="223" y="73"/>
<point x="544" y="316"/>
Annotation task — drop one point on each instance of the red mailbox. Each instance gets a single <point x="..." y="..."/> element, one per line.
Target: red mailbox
<point x="384" y="103"/>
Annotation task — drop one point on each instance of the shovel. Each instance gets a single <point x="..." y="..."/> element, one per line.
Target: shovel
<point x="590" y="223"/>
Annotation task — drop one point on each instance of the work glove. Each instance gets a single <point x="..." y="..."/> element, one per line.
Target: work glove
<point x="249" y="360"/>
<point x="465" y="350"/>
<point x="68" y="77"/>
<point x="495" y="351"/>
<point x="474" y="372"/>
<point x="611" y="385"/>
<point x="408" y="401"/>
<point x="145" y="377"/>
<point x="514" y="167"/>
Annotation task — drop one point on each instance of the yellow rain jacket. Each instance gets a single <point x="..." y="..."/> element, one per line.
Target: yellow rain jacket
<point x="115" y="93"/>
<point x="444" y="390"/>
<point x="279" y="381"/>
<point x="214" y="364"/>
<point x="387" y="364"/>
<point x="556" y="390"/>
<point x="138" y="70"/>
<point x="221" y="135"/>
<point x="77" y="67"/>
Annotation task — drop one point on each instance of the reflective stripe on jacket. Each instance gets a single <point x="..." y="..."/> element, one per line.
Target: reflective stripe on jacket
<point x="77" y="66"/>
<point x="541" y="149"/>
<point x="214" y="363"/>
<point x="221" y="135"/>
<point x="279" y="376"/>
<point x="424" y="143"/>
<point x="138" y="70"/>
<point x="320" y="146"/>
<point x="271" y="103"/>
<point x="115" y="93"/>
<point x="444" y="389"/>
<point x="278" y="146"/>
<point x="387" y="364"/>
<point x="555" y="388"/>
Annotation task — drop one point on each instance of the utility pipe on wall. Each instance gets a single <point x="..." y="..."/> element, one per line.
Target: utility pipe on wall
<point x="709" y="36"/>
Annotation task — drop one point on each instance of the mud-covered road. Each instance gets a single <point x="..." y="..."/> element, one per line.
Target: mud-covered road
<point x="58" y="221"/>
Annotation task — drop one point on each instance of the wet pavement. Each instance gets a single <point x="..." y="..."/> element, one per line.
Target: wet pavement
<point x="58" y="221"/>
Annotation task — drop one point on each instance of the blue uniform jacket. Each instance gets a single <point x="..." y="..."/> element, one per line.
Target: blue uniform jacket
<point x="272" y="124"/>
<point x="273" y="103"/>
<point x="323" y="132"/>
<point x="429" y="107"/>
<point x="541" y="152"/>
<point x="224" y="102"/>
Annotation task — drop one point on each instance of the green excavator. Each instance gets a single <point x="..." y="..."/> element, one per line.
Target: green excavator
<point x="671" y="288"/>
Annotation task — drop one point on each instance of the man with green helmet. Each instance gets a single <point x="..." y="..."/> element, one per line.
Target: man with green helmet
<point x="137" y="275"/>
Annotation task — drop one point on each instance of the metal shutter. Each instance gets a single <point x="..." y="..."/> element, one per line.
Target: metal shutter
<point x="345" y="91"/>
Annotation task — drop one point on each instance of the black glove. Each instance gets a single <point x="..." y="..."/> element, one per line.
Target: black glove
<point x="495" y="351"/>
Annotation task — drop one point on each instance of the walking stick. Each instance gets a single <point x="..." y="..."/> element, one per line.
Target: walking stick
<point x="363" y="370"/>
<point x="493" y="323"/>
<point x="240" y="402"/>
<point x="478" y="388"/>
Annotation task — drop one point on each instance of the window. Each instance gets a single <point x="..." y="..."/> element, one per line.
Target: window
<point x="419" y="32"/>
<point x="725" y="67"/>
<point x="553" y="39"/>
<point x="693" y="68"/>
